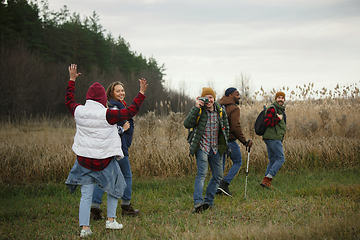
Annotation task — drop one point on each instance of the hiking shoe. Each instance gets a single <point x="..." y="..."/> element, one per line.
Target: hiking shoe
<point x="205" y="206"/>
<point x="127" y="210"/>
<point x="212" y="207"/>
<point x="113" y="225"/>
<point x="200" y="207"/>
<point x="95" y="214"/>
<point x="266" y="182"/>
<point x="85" y="233"/>
<point x="224" y="188"/>
<point x="218" y="192"/>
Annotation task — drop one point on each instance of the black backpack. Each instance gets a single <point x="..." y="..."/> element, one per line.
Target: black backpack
<point x="259" y="125"/>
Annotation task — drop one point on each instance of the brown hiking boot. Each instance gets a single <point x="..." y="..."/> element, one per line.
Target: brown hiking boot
<point x="266" y="182"/>
<point x="129" y="211"/>
<point x="95" y="214"/>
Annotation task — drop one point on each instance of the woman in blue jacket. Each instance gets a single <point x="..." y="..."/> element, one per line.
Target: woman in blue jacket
<point x="115" y="94"/>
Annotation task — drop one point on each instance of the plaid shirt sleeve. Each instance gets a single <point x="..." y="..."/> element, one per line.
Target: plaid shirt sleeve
<point x="70" y="97"/>
<point x="94" y="164"/>
<point x="270" y="118"/>
<point x="114" y="116"/>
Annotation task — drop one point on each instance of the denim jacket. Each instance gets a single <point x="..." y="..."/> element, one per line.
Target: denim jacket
<point x="110" y="180"/>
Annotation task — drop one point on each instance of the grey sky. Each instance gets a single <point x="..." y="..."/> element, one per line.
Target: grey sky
<point x="275" y="42"/>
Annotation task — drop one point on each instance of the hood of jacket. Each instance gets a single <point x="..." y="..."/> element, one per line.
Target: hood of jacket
<point x="97" y="93"/>
<point x="226" y="100"/>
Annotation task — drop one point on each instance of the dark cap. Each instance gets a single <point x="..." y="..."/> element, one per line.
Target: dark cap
<point x="229" y="91"/>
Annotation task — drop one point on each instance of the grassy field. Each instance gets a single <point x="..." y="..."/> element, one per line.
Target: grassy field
<point x="316" y="195"/>
<point x="304" y="205"/>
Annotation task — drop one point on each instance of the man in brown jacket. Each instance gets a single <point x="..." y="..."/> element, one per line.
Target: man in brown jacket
<point x="231" y="102"/>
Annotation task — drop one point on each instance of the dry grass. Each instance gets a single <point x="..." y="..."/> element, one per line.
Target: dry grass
<point x="321" y="133"/>
<point x="36" y="151"/>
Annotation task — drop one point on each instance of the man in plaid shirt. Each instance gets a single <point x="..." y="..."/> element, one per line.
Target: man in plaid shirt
<point x="209" y="142"/>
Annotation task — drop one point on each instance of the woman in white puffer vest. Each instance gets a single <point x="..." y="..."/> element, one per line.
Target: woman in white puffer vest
<point x="97" y="146"/>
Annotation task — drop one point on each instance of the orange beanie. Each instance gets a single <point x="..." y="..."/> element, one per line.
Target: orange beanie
<point x="279" y="94"/>
<point x="207" y="91"/>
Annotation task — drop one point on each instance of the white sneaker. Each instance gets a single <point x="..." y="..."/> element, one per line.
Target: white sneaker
<point x="85" y="233"/>
<point x="113" y="225"/>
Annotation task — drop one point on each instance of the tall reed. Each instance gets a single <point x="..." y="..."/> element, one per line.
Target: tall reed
<point x="322" y="133"/>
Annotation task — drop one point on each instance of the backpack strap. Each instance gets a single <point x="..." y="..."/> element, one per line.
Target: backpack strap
<point x="276" y="109"/>
<point x="197" y="120"/>
<point x="198" y="117"/>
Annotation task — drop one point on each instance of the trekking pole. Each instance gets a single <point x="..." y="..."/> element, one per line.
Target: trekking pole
<point x="247" y="169"/>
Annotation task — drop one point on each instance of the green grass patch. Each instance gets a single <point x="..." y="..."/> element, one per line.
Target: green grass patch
<point x="303" y="205"/>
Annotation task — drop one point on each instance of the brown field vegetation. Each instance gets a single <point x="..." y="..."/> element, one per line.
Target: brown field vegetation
<point x="321" y="133"/>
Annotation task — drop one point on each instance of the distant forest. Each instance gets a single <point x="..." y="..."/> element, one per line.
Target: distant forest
<point x="37" y="46"/>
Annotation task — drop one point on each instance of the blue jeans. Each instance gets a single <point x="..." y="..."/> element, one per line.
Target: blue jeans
<point x="85" y="203"/>
<point x="202" y="161"/>
<point x="276" y="156"/>
<point x="124" y="164"/>
<point x="236" y="158"/>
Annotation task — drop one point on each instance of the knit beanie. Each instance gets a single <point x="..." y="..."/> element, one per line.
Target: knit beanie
<point x="97" y="93"/>
<point x="279" y="94"/>
<point x="229" y="91"/>
<point x="207" y="91"/>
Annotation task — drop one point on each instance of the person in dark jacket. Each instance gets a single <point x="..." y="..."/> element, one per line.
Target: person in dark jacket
<point x="115" y="94"/>
<point x="208" y="144"/>
<point x="231" y="102"/>
<point x="275" y="120"/>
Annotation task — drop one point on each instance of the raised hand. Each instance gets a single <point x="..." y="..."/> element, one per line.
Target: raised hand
<point x="73" y="72"/>
<point x="199" y="103"/>
<point x="143" y="85"/>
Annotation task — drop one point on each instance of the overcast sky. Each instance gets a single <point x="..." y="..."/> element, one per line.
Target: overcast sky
<point x="275" y="43"/>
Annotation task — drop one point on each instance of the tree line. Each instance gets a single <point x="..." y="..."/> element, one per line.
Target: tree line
<point x="37" y="45"/>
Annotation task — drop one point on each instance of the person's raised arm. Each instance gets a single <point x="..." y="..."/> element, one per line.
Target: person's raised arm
<point x="118" y="115"/>
<point x="191" y="119"/>
<point x="199" y="103"/>
<point x="73" y="72"/>
<point x="70" y="90"/>
<point x="143" y="85"/>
